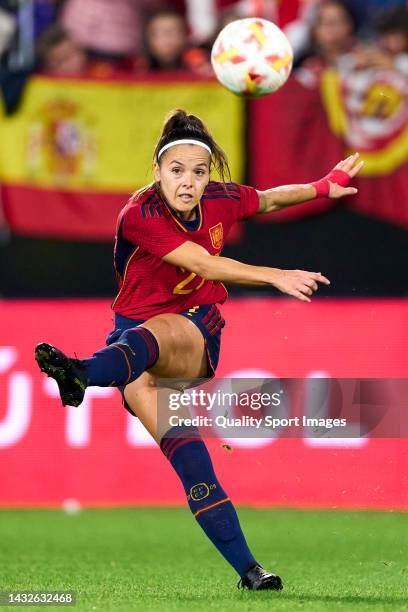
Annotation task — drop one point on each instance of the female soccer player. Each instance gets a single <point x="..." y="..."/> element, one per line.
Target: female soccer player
<point x="167" y="322"/>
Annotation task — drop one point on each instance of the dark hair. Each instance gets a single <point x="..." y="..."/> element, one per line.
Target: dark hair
<point x="52" y="37"/>
<point x="347" y="9"/>
<point x="153" y="63"/>
<point x="166" y="11"/>
<point x="180" y="125"/>
<point x="393" y="20"/>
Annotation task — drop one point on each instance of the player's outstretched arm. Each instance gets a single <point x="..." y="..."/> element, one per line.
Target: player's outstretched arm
<point x="334" y="185"/>
<point x="297" y="283"/>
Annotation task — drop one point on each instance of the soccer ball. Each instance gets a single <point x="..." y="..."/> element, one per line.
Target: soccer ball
<point x="252" y="57"/>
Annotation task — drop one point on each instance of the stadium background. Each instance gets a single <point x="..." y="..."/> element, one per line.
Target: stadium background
<point x="69" y="156"/>
<point x="87" y="501"/>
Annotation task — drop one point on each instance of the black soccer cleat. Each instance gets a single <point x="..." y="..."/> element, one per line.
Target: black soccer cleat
<point x="258" y="579"/>
<point x="69" y="373"/>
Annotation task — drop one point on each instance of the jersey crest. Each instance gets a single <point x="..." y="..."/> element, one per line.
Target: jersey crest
<point x="217" y="235"/>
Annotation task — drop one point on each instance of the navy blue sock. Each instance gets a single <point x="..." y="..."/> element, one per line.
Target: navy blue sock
<point x="123" y="361"/>
<point x="212" y="508"/>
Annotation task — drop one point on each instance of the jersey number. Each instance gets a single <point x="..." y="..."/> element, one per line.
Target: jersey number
<point x="181" y="288"/>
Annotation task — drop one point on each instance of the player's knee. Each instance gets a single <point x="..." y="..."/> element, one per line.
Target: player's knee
<point x="161" y="330"/>
<point x="139" y="349"/>
<point x="126" y="338"/>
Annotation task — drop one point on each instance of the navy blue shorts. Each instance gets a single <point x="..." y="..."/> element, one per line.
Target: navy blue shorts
<point x="207" y="318"/>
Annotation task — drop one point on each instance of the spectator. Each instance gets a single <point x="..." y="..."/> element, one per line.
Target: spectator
<point x="59" y="54"/>
<point x="392" y="29"/>
<point x="332" y="35"/>
<point x="390" y="48"/>
<point x="167" y="47"/>
<point x="110" y="29"/>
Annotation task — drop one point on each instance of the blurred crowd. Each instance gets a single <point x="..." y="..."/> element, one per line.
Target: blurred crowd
<point x="99" y="38"/>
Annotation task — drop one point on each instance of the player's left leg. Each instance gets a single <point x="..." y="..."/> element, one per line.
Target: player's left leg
<point x="209" y="503"/>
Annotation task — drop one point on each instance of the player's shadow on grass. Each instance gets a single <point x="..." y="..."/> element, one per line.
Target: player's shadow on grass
<point x="354" y="599"/>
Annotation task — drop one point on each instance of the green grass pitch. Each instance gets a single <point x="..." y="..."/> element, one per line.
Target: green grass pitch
<point x="158" y="559"/>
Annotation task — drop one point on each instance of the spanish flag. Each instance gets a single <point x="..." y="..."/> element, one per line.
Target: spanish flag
<point x="76" y="150"/>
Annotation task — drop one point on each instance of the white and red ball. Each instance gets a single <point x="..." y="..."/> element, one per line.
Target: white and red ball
<point x="252" y="57"/>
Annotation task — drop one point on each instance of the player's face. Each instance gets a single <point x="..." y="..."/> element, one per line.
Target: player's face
<point x="183" y="174"/>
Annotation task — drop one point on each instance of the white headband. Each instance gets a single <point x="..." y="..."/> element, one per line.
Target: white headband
<point x="183" y="141"/>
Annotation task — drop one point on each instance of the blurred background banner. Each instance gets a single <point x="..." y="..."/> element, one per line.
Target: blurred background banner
<point x="365" y="111"/>
<point x="77" y="149"/>
<point x="99" y="454"/>
<point x="368" y="110"/>
<point x="289" y="133"/>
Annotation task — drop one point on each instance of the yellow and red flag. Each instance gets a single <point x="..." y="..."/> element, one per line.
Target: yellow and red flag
<point x="301" y="131"/>
<point x="368" y="111"/>
<point x="77" y="148"/>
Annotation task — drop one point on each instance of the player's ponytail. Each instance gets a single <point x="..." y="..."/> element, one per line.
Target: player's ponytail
<point x="179" y="125"/>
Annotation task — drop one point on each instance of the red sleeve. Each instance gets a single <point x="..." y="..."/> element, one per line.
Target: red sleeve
<point x="248" y="204"/>
<point x="152" y="234"/>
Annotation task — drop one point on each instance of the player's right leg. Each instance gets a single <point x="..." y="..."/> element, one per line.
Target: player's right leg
<point x="170" y="344"/>
<point x="210" y="505"/>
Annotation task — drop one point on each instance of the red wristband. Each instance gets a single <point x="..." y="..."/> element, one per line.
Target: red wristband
<point x="335" y="176"/>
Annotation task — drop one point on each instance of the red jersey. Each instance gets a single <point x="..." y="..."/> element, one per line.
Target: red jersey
<point x="148" y="229"/>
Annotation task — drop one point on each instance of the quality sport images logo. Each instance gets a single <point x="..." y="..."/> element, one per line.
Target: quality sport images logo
<point x="234" y="408"/>
<point x="314" y="408"/>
